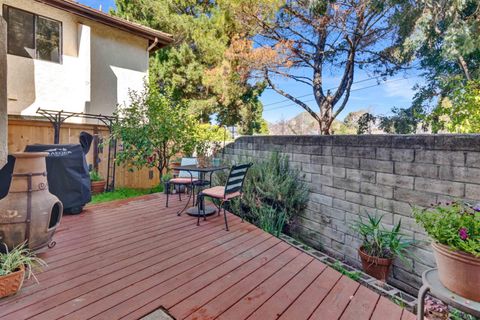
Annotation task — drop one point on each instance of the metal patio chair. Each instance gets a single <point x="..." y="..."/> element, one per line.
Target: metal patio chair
<point x="185" y="178"/>
<point x="231" y="190"/>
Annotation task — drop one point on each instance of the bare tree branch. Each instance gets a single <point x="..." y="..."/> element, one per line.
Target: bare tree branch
<point x="290" y="97"/>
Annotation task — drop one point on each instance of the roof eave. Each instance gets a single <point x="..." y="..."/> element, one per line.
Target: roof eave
<point x="164" y="39"/>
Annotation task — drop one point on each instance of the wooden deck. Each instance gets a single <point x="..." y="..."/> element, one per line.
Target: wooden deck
<point x="126" y="259"/>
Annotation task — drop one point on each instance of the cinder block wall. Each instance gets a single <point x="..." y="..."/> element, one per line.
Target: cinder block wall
<point x="350" y="176"/>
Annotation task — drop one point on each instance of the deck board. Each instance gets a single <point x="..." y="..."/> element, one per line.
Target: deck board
<point x="284" y="297"/>
<point x="126" y="259"/>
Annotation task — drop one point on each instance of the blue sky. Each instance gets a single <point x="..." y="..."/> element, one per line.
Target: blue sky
<point x="377" y="99"/>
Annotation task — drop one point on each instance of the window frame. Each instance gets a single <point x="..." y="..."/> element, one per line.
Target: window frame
<point x="35" y="17"/>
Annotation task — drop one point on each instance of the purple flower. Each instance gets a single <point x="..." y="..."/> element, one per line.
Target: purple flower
<point x="476" y="207"/>
<point x="463" y="233"/>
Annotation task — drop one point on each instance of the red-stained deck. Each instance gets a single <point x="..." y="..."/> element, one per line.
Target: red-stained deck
<point x="123" y="260"/>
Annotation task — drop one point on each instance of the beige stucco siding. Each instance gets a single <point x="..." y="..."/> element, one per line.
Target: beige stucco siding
<point x="119" y="63"/>
<point x="99" y="64"/>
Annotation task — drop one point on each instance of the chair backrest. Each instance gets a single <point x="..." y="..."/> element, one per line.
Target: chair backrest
<point x="187" y="174"/>
<point x="236" y="178"/>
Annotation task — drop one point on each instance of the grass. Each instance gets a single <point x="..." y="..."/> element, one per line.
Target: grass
<point x="123" y="193"/>
<point x="354" y="275"/>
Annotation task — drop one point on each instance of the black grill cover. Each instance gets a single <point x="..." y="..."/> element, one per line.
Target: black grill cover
<point x="67" y="174"/>
<point x="6" y="176"/>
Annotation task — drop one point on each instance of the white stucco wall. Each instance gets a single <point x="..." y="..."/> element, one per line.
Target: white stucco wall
<point x="99" y="64"/>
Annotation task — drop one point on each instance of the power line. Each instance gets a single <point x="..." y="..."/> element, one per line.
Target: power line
<point x="311" y="94"/>
<point x="353" y="90"/>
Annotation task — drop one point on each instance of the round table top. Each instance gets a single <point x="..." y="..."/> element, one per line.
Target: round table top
<point x="437" y="289"/>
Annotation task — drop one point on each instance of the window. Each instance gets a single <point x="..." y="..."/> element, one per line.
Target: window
<point x="33" y="36"/>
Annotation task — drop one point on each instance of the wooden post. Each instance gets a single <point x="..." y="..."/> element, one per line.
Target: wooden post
<point x="3" y="93"/>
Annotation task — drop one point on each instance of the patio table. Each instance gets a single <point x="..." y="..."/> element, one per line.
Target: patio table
<point x="209" y="210"/>
<point x="432" y="284"/>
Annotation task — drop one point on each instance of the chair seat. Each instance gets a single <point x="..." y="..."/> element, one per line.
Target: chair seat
<point x="219" y="193"/>
<point x="182" y="180"/>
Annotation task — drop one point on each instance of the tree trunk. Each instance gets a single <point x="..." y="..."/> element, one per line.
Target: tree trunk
<point x="326" y="120"/>
<point x="464" y="66"/>
<point x="3" y="93"/>
<point x="160" y="174"/>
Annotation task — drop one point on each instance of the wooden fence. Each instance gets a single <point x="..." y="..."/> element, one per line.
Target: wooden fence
<point x="23" y="131"/>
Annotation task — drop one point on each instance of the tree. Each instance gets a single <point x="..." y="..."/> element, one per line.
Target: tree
<point x="152" y="129"/>
<point x="461" y="113"/>
<point x="365" y="123"/>
<point x="309" y="39"/>
<point x="403" y="120"/>
<point x="202" y="66"/>
<point x="445" y="38"/>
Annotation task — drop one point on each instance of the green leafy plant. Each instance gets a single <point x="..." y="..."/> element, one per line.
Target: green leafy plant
<point x="354" y="275"/>
<point x="273" y="194"/>
<point x="95" y="176"/>
<point x="208" y="139"/>
<point x="455" y="225"/>
<point x="166" y="177"/>
<point x="459" y="315"/>
<point x="11" y="261"/>
<point x="381" y="242"/>
<point x="269" y="219"/>
<point x="152" y="129"/>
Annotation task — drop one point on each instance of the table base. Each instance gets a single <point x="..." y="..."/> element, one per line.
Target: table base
<point x="193" y="211"/>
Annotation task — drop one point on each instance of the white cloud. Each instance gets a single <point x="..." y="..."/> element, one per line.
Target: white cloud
<point x="399" y="87"/>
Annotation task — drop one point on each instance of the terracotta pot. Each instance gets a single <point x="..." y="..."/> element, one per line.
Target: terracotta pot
<point x="98" y="186"/>
<point x="29" y="211"/>
<point x="203" y="161"/>
<point x="174" y="164"/>
<point x="458" y="271"/>
<point x="374" y="266"/>
<point x="11" y="283"/>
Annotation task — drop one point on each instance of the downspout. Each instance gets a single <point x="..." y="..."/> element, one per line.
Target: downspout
<point x="3" y="93"/>
<point x="153" y="45"/>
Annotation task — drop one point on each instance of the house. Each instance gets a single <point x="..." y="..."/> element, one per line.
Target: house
<point x="63" y="55"/>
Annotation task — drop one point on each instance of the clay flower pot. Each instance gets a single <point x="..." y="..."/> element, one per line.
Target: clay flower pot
<point x="374" y="266"/>
<point x="203" y="161"/>
<point x="173" y="164"/>
<point x="98" y="186"/>
<point x="11" y="283"/>
<point x="458" y="271"/>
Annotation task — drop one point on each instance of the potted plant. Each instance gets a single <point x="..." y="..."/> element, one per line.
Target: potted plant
<point x="14" y="265"/>
<point x="455" y="230"/>
<point x="97" y="182"/>
<point x="380" y="246"/>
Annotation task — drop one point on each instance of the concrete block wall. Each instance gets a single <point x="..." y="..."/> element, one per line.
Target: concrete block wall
<point x="350" y="176"/>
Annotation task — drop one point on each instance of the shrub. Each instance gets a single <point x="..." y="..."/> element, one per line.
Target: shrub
<point x="452" y="224"/>
<point x="273" y="195"/>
